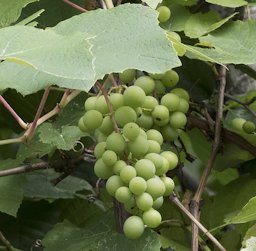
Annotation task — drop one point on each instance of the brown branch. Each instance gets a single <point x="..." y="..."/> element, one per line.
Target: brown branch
<point x="215" y="149"/>
<point x="173" y="198"/>
<point x="75" y="6"/>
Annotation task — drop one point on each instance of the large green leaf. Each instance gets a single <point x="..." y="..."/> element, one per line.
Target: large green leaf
<point x="152" y="3"/>
<point x="232" y="43"/>
<point x="11" y="10"/>
<point x="228" y="3"/>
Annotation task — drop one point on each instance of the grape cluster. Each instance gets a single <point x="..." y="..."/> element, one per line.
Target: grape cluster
<point x="131" y="158"/>
<point x="242" y="125"/>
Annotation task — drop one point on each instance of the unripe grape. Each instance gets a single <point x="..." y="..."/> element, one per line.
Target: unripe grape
<point x="92" y="119"/>
<point x="99" y="136"/>
<point x="183" y="106"/>
<point x="164" y="168"/>
<point x="131" y="131"/>
<point x="101" y="105"/>
<point x="134" y="96"/>
<point x="130" y="206"/>
<point x="164" y="14"/>
<point x="89" y="103"/>
<point x="160" y="115"/>
<point x="123" y="194"/>
<point x="81" y="125"/>
<point x="178" y="120"/>
<point x="118" y="166"/>
<point x="145" y="121"/>
<point x="156" y="158"/>
<point x="117" y="100"/>
<point x="133" y="227"/>
<point x="155" y="187"/>
<point x="102" y="170"/>
<point x="99" y="149"/>
<point x="145" y="168"/>
<point x="106" y="126"/>
<point x="171" y="101"/>
<point x="160" y="87"/>
<point x="156" y="76"/>
<point x="150" y="103"/>
<point x="170" y="78"/>
<point x="169" y="133"/>
<point x="249" y="127"/>
<point x="115" y="142"/>
<point x="152" y="218"/>
<point x="138" y="147"/>
<point x="124" y="115"/>
<point x="137" y="185"/>
<point x="127" y="76"/>
<point x="153" y="146"/>
<point x="158" y="202"/>
<point x="127" y="173"/>
<point x="113" y="183"/>
<point x="169" y="185"/>
<point x="146" y="83"/>
<point x="109" y="158"/>
<point x="143" y="133"/>
<point x="174" y="35"/>
<point x="237" y="124"/>
<point x="153" y="134"/>
<point x="181" y="93"/>
<point x="172" y="159"/>
<point x="144" y="201"/>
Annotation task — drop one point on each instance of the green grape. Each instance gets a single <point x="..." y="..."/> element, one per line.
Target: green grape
<point x="118" y="166"/>
<point x="249" y="127"/>
<point x="109" y="158"/>
<point x="160" y="87"/>
<point x="143" y="133"/>
<point x="145" y="121"/>
<point x="134" y="96"/>
<point x="113" y="183"/>
<point x="169" y="185"/>
<point x="89" y="103"/>
<point x="144" y="201"/>
<point x="181" y="93"/>
<point x="115" y="142"/>
<point x="130" y="206"/>
<point x="170" y="78"/>
<point x="99" y="149"/>
<point x="172" y="159"/>
<point x="156" y="76"/>
<point x="174" y="35"/>
<point x="160" y="115"/>
<point x="123" y="194"/>
<point x="155" y="187"/>
<point x="99" y="136"/>
<point x="131" y="131"/>
<point x="183" y="106"/>
<point x="152" y="218"/>
<point x="164" y="168"/>
<point x="171" y="101"/>
<point x="102" y="170"/>
<point x="127" y="76"/>
<point x="127" y="173"/>
<point x="153" y="146"/>
<point x="153" y="134"/>
<point x="150" y="103"/>
<point x="101" y="105"/>
<point x="158" y="202"/>
<point x="156" y="158"/>
<point x="138" y="147"/>
<point x="106" y="126"/>
<point x="237" y="124"/>
<point x="133" y="227"/>
<point x="169" y="133"/>
<point x="137" y="185"/>
<point x="92" y="119"/>
<point x="145" y="168"/>
<point x="164" y="14"/>
<point x="81" y="125"/>
<point x="117" y="100"/>
<point x="124" y="115"/>
<point x="178" y="120"/>
<point x="146" y="83"/>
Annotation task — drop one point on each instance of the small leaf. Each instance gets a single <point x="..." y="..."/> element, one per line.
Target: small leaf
<point x="228" y="3"/>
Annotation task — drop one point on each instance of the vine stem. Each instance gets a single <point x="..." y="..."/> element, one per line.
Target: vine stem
<point x="173" y="198"/>
<point x="195" y="203"/>
<point x="13" y="113"/>
<point x="75" y="6"/>
<point x="109" y="4"/>
<point x="7" y="244"/>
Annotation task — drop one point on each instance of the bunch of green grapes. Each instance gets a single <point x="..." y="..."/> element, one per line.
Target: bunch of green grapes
<point x="131" y="158"/>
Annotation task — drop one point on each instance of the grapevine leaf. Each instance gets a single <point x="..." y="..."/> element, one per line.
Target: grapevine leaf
<point x="228" y="3"/>
<point x="152" y="3"/>
<point x="183" y="2"/>
<point x="11" y="10"/>
<point x="249" y="233"/>
<point x="38" y="186"/>
<point x="250" y="244"/>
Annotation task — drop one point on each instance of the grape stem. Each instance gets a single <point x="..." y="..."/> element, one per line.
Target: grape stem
<point x="195" y="202"/>
<point x="173" y="198"/>
<point x="75" y="6"/>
